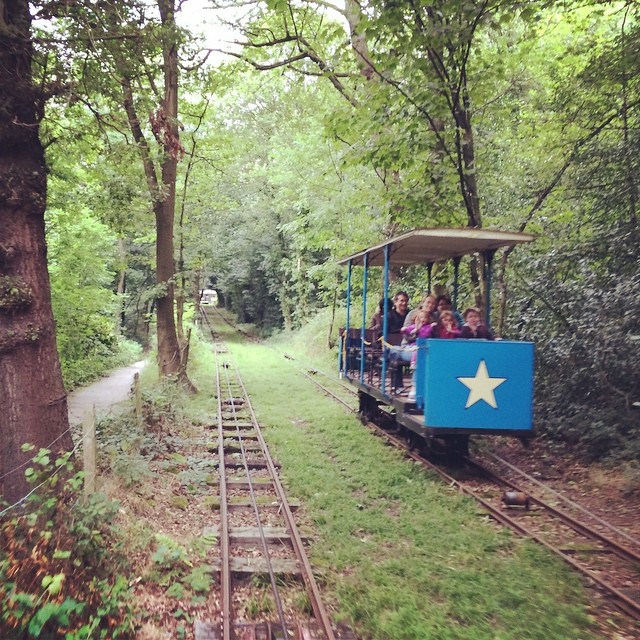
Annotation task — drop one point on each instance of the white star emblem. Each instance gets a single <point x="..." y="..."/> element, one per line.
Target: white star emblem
<point x="481" y="387"/>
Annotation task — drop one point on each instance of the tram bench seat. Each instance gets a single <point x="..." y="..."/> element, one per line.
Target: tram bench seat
<point x="352" y="350"/>
<point x="373" y="353"/>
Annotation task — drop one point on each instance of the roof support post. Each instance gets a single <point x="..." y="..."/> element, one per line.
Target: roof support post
<point x="344" y="355"/>
<point x="364" y="314"/>
<point x="349" y="296"/>
<point x="385" y="321"/>
<point x="488" y="262"/>
<point x="429" y="272"/>
<point x="456" y="274"/>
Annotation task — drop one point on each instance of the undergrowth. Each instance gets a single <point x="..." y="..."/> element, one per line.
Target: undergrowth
<point x="62" y="569"/>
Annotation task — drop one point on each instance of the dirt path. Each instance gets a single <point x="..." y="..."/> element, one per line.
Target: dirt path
<point x="104" y="395"/>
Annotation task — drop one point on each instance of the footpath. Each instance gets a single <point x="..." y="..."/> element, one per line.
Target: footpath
<point x="104" y="395"/>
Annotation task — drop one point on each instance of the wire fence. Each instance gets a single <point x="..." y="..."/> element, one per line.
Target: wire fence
<point x="88" y="435"/>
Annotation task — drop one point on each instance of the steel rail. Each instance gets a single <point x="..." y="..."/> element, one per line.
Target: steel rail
<point x="568" y="501"/>
<point x="320" y="613"/>
<point x="621" y="551"/>
<point x="225" y="560"/>
<point x="626" y="604"/>
<point x="307" y="574"/>
<point x="254" y="503"/>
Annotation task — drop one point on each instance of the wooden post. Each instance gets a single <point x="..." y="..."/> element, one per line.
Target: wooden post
<point x="137" y="393"/>
<point x="89" y="452"/>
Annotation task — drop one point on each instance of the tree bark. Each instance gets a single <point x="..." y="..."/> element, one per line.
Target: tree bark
<point x="33" y="401"/>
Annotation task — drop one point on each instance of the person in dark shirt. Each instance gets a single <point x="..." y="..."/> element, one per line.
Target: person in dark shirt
<point x="378" y="316"/>
<point x="399" y="312"/>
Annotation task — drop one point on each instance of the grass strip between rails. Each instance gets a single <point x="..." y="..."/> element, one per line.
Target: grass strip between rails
<point x="401" y="555"/>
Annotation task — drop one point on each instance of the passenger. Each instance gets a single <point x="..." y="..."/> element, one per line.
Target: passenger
<point x="428" y="303"/>
<point x="444" y="304"/>
<point x="408" y="351"/>
<point x="473" y="327"/>
<point x="378" y="316"/>
<point x="421" y="328"/>
<point x="398" y="314"/>
<point x="446" y="327"/>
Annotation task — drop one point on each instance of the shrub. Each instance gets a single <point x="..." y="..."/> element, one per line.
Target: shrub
<point x="60" y="563"/>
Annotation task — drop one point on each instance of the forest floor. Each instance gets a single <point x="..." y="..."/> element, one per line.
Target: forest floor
<point x="610" y="492"/>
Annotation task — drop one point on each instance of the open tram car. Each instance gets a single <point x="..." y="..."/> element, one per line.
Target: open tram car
<point x="463" y="386"/>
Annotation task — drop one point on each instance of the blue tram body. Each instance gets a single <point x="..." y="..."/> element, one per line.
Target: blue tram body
<point x="478" y="385"/>
<point x="462" y="386"/>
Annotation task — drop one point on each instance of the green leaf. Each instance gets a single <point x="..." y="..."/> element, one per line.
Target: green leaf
<point x="53" y="584"/>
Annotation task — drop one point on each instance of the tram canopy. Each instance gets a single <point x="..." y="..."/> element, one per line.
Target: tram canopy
<point x="424" y="246"/>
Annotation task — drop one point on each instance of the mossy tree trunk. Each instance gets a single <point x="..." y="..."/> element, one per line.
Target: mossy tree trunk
<point x="33" y="402"/>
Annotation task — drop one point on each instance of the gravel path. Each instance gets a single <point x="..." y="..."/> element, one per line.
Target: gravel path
<point x="104" y="395"/>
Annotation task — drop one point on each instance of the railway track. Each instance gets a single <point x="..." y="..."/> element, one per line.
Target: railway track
<point x="609" y="560"/>
<point x="607" y="557"/>
<point x="263" y="562"/>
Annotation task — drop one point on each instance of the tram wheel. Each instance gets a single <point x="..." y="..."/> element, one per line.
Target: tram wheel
<point x="457" y="448"/>
<point x="367" y="408"/>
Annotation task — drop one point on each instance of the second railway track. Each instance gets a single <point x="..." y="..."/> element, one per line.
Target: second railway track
<point x="262" y="553"/>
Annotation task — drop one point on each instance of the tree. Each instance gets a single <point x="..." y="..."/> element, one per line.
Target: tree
<point x="125" y="64"/>
<point x="33" y="405"/>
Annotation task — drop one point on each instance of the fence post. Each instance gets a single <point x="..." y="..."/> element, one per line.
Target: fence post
<point x="89" y="452"/>
<point x="137" y="392"/>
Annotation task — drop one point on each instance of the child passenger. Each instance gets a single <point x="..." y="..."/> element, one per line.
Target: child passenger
<point x="422" y="326"/>
<point x="446" y="327"/>
<point x="421" y="329"/>
<point x="473" y="326"/>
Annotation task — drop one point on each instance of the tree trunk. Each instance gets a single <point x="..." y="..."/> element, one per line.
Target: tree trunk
<point x="33" y="402"/>
<point x="163" y="192"/>
<point x="122" y="273"/>
<point x="168" y="345"/>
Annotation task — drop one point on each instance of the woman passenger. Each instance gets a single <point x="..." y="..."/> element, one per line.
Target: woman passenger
<point x="429" y="304"/>
<point x="378" y="316"/>
<point x="444" y="304"/>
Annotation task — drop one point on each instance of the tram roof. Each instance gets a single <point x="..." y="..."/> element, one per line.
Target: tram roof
<point x="422" y="246"/>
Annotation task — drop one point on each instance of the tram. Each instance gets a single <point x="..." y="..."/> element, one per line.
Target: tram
<point x="462" y="386"/>
<point x="209" y="297"/>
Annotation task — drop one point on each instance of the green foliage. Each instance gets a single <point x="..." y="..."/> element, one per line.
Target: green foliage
<point x="581" y="310"/>
<point x="60" y="563"/>
<point x="173" y="568"/>
<point x="81" y="259"/>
